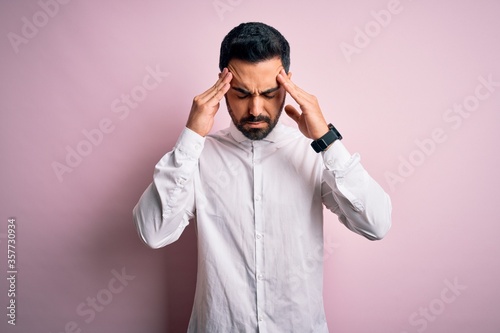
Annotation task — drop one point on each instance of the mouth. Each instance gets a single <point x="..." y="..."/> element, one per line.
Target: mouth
<point x="256" y="124"/>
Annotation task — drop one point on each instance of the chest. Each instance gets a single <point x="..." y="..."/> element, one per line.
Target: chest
<point x="239" y="179"/>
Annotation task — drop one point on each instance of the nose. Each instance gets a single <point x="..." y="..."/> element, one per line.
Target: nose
<point x="255" y="107"/>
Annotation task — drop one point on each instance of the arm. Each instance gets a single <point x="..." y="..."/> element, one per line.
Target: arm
<point x="166" y="206"/>
<point x="355" y="197"/>
<point x="348" y="190"/>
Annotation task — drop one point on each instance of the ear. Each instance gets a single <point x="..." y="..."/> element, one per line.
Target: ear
<point x="289" y="75"/>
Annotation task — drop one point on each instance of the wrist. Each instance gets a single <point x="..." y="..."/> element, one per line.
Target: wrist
<point x="200" y="127"/>
<point x="321" y="131"/>
<point x="325" y="141"/>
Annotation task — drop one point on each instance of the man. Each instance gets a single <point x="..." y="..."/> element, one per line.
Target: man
<point x="256" y="191"/>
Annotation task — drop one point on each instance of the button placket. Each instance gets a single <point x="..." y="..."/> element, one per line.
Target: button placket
<point x="258" y="230"/>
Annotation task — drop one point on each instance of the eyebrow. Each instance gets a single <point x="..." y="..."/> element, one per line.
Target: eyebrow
<point x="265" y="92"/>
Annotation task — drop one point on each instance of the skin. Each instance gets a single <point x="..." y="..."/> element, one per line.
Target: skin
<point x="256" y="90"/>
<point x="255" y="99"/>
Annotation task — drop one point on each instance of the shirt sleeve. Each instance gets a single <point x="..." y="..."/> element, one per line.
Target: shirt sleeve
<point x="167" y="205"/>
<point x="351" y="193"/>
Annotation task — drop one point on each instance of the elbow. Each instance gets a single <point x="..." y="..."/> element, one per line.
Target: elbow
<point x="158" y="240"/>
<point x="382" y="223"/>
<point x="152" y="239"/>
<point x="153" y="232"/>
<point x="380" y="231"/>
<point x="145" y="231"/>
<point x="153" y="242"/>
<point x="371" y="229"/>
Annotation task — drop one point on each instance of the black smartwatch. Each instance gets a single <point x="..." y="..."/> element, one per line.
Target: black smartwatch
<point x="322" y="143"/>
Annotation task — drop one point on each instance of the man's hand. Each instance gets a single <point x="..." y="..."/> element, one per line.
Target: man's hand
<point x="206" y="105"/>
<point x="311" y="121"/>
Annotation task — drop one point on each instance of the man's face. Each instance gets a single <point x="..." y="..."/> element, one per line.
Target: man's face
<point x="255" y="99"/>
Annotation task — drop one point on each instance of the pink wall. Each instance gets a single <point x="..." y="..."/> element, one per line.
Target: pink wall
<point x="405" y="81"/>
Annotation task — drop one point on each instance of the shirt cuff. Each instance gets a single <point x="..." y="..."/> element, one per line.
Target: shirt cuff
<point x="337" y="157"/>
<point x="190" y="143"/>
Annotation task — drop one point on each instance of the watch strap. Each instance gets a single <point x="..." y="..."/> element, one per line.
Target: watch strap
<point x="326" y="140"/>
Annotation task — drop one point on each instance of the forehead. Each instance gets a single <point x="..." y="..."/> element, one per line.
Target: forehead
<point x="255" y="76"/>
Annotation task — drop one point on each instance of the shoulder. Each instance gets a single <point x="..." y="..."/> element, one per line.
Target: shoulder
<point x="286" y="135"/>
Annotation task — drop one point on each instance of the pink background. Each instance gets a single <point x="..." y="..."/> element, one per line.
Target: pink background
<point x="73" y="232"/>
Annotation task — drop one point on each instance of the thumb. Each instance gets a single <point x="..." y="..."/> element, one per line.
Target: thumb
<point x="292" y="113"/>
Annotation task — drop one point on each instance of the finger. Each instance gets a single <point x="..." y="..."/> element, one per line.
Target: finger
<point x="289" y="86"/>
<point x="222" y="76"/>
<point x="292" y="113"/>
<point x="227" y="77"/>
<point x="299" y="95"/>
<point x="224" y="79"/>
<point x="220" y="81"/>
<point x="224" y="86"/>
<point x="224" y="71"/>
<point x="221" y="92"/>
<point x="286" y="82"/>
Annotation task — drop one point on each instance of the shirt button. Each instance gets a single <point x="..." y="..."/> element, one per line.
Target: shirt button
<point x="260" y="277"/>
<point x="259" y="236"/>
<point x="261" y="319"/>
<point x="257" y="198"/>
<point x="197" y="146"/>
<point x="357" y="205"/>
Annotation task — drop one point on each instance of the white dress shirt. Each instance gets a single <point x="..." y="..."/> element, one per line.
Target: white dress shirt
<point x="259" y="217"/>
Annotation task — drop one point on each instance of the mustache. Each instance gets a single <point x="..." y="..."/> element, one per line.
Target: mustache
<point x="251" y="119"/>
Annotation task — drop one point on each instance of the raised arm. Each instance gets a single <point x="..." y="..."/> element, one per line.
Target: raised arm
<point x="348" y="190"/>
<point x="166" y="206"/>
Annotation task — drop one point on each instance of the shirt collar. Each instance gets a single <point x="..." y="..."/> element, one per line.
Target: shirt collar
<point x="271" y="137"/>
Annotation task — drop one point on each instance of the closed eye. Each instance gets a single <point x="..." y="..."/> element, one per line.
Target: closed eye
<point x="268" y="94"/>
<point x="265" y="96"/>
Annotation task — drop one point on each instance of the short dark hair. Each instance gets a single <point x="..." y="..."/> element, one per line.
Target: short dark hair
<point x="254" y="42"/>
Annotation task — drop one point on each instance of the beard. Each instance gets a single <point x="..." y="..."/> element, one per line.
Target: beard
<point x="256" y="133"/>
